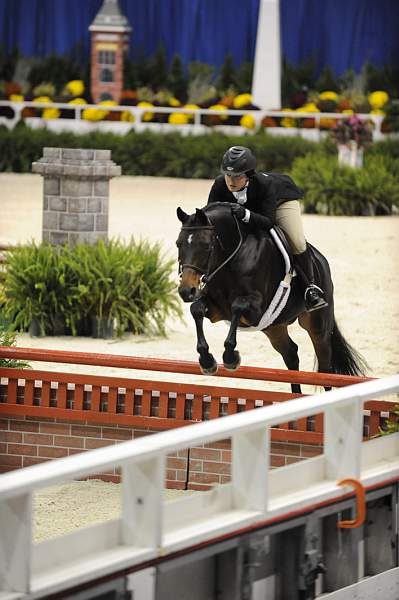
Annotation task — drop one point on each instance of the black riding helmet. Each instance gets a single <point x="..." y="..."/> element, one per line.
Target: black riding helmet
<point x="237" y="161"/>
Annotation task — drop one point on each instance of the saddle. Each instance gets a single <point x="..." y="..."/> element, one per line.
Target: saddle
<point x="286" y="245"/>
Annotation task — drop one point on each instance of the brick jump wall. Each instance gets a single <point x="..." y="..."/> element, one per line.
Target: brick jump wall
<point x="26" y="441"/>
<point x="46" y="415"/>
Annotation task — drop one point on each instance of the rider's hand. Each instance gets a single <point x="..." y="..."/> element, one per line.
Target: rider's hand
<point x="238" y="211"/>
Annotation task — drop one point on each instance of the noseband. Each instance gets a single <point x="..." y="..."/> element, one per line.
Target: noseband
<point x="207" y="277"/>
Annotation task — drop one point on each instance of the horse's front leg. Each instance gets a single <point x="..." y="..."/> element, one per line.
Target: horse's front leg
<point x="207" y="362"/>
<point x="241" y="307"/>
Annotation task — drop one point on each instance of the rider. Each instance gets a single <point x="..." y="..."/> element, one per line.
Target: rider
<point x="263" y="200"/>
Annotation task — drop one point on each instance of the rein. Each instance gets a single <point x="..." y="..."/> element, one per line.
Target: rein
<point x="206" y="278"/>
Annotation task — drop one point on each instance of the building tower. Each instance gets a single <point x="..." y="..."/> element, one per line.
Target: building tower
<point x="109" y="42"/>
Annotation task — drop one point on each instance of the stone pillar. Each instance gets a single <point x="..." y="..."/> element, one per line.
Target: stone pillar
<point x="75" y="194"/>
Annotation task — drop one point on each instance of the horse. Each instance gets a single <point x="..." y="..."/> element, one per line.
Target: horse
<point x="228" y="272"/>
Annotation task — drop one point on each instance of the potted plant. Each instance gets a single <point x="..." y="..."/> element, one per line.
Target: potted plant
<point x="351" y="135"/>
<point x="35" y="286"/>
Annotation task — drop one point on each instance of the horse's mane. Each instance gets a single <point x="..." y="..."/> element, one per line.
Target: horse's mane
<point x="223" y="205"/>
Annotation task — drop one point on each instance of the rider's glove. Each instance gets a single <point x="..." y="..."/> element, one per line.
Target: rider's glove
<point x="238" y="211"/>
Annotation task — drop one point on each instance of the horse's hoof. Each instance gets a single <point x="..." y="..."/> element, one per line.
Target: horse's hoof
<point x="233" y="365"/>
<point x="208" y="367"/>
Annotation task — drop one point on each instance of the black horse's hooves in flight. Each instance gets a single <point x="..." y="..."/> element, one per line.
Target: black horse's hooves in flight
<point x="233" y="366"/>
<point x="209" y="369"/>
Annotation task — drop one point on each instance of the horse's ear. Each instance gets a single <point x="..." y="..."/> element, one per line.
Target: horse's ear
<point x="201" y="217"/>
<point x="181" y="215"/>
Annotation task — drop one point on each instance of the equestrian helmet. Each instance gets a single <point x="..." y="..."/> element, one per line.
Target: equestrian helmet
<point x="237" y="161"/>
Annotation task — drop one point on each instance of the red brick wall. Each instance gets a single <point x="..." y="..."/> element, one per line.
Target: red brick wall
<point x="26" y="441"/>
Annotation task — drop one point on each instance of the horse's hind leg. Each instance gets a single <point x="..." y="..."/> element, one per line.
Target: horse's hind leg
<point x="207" y="362"/>
<point x="316" y="324"/>
<point x="281" y="341"/>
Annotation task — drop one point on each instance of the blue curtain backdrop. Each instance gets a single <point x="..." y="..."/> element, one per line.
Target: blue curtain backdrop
<point x="341" y="33"/>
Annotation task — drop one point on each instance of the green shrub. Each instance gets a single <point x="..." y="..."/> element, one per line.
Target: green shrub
<point x="339" y="190"/>
<point x="152" y="154"/>
<point x="8" y="338"/>
<point x="126" y="285"/>
<point x="35" y="287"/>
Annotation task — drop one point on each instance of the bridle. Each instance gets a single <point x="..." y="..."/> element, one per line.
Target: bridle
<point x="207" y="277"/>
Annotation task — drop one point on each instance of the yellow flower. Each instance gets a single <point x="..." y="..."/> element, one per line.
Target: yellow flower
<point x="94" y="114"/>
<point x="221" y="108"/>
<point x="126" y="115"/>
<point x="192" y="107"/>
<point x="77" y="101"/>
<point x="347" y="111"/>
<point x="288" y="121"/>
<point x="174" y="102"/>
<point x="247" y="121"/>
<point x="108" y="103"/>
<point x="50" y="113"/>
<point x="75" y="87"/>
<point x="178" y="119"/>
<point x="378" y="99"/>
<point x="147" y="116"/>
<point x="242" y="100"/>
<point x="309" y="107"/>
<point x="328" y="96"/>
<point x="378" y="112"/>
<point x="16" y="98"/>
<point x="43" y="99"/>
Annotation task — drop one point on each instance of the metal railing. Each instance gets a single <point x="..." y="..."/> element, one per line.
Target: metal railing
<point x="150" y="529"/>
<point x="196" y="115"/>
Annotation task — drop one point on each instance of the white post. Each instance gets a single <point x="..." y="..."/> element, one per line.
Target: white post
<point x="249" y="469"/>
<point x="266" y="82"/>
<point x="343" y="426"/>
<point x="15" y="543"/>
<point x="142" y="497"/>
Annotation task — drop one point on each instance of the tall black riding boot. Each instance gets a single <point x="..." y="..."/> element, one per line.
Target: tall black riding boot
<point x="313" y="294"/>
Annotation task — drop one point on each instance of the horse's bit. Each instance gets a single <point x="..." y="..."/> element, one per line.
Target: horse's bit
<point x="206" y="278"/>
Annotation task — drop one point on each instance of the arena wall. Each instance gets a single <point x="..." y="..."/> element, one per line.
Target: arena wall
<point x="28" y="441"/>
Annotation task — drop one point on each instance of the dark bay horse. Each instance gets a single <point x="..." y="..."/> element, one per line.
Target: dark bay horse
<point x="229" y="273"/>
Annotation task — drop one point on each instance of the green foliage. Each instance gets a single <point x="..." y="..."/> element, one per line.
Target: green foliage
<point x="8" y="338"/>
<point x="243" y="77"/>
<point x="150" y="153"/>
<point x="391" y="425"/>
<point x="339" y="190"/>
<point x="384" y="78"/>
<point x="177" y="82"/>
<point x="391" y="120"/>
<point x="226" y="78"/>
<point x="8" y="62"/>
<point x="326" y="81"/>
<point x="56" y="70"/>
<point x="125" y="284"/>
<point x="294" y="77"/>
<point x="130" y="78"/>
<point x="159" y="68"/>
<point x="35" y="286"/>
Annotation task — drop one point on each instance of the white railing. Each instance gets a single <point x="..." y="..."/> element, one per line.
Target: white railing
<point x="196" y="116"/>
<point x="150" y="528"/>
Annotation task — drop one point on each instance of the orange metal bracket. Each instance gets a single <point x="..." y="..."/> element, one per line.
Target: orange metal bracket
<point x="360" y="504"/>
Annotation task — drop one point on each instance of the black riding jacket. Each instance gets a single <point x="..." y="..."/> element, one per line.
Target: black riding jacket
<point x="265" y="192"/>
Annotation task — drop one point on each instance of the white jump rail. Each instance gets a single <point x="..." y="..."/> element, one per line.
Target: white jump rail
<point x="150" y="528"/>
<point x="196" y="114"/>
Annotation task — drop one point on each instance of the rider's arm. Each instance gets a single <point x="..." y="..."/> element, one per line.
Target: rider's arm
<point x="265" y="217"/>
<point x="218" y="191"/>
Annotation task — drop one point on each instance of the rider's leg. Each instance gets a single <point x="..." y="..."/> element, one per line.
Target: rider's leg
<point x="288" y="217"/>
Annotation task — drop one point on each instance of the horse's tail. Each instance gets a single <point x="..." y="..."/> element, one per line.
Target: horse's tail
<point x="345" y="359"/>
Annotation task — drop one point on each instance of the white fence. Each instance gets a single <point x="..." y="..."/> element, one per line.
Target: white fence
<point x="79" y="125"/>
<point x="150" y="528"/>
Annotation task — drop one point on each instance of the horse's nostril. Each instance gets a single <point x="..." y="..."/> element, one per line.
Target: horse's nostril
<point x="187" y="294"/>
